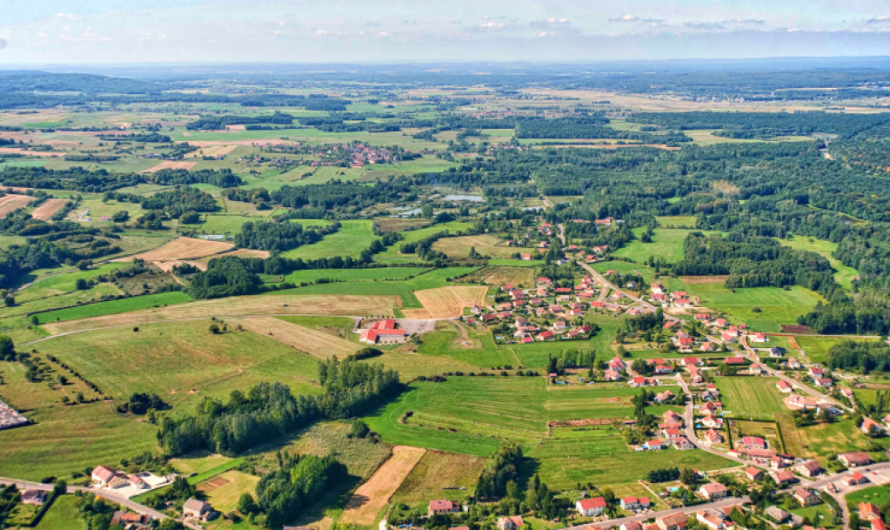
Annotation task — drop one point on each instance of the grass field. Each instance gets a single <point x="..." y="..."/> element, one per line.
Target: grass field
<point x="678" y="221"/>
<point x="878" y="495"/>
<point x="352" y="238"/>
<point x="113" y="307"/>
<point x="64" y="514"/>
<point x="666" y="245"/>
<point x="821" y="440"/>
<point x="817" y="347"/>
<point x="318" y="343"/>
<point x="625" y="268"/>
<point x="373" y="495"/>
<point x="844" y="276"/>
<point x="487" y="245"/>
<point x="62" y="283"/>
<point x="185" y="248"/>
<point x="750" y="397"/>
<point x="354" y="275"/>
<point x="436" y="471"/>
<point x="225" y="224"/>
<point x="392" y="255"/>
<point x="360" y="456"/>
<point x="225" y="497"/>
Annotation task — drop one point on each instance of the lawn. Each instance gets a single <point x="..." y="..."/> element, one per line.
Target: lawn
<point x="878" y="495"/>
<point x="225" y="497"/>
<point x="225" y="224"/>
<point x="64" y="514"/>
<point x="114" y="307"/>
<point x="625" y="268"/>
<point x="821" y="440"/>
<point x="487" y="245"/>
<point x="677" y="221"/>
<point x="844" y="276"/>
<point x="484" y="353"/>
<point x="750" y="397"/>
<point x="352" y="238"/>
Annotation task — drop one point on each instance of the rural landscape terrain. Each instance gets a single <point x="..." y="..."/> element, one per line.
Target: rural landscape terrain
<point x="434" y="299"/>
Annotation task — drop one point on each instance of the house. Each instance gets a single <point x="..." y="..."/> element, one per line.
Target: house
<point x="664" y="396"/>
<point x="784" y="477"/>
<point x="510" y="523"/>
<point x="710" y="518"/>
<point x="130" y="520"/>
<point x="662" y="369"/>
<point x="794" y="364"/>
<point x="634" y="503"/>
<point x="710" y="395"/>
<point x="689" y="361"/>
<point x="633" y="525"/>
<point x="611" y="375"/>
<point x="383" y="331"/>
<point x="653" y="445"/>
<point x="437" y="507"/>
<point x="816" y="371"/>
<point x="591" y="507"/>
<point x="778" y="514"/>
<point x="734" y="361"/>
<point x="854" y="479"/>
<point x="197" y="509"/>
<point x="37" y="497"/>
<point x="824" y="382"/>
<point x="761" y="456"/>
<point x="756" y="369"/>
<point x="783" y="386"/>
<point x="560" y="325"/>
<point x="877" y="524"/>
<point x="869" y="511"/>
<point x="854" y="459"/>
<point x="712" y="421"/>
<point x="847" y="393"/>
<point x="758" y="337"/>
<point x="137" y="482"/>
<point x="670" y="416"/>
<point x="795" y="402"/>
<point x="674" y="521"/>
<point x="545" y="336"/>
<point x="708" y="347"/>
<point x="809" y="469"/>
<point x="753" y="442"/>
<point x="713" y="491"/>
<point x="638" y="381"/>
<point x="777" y="352"/>
<point x="868" y="424"/>
<point x="806" y="497"/>
<point x="754" y="474"/>
<point x="106" y="477"/>
<point x="713" y="436"/>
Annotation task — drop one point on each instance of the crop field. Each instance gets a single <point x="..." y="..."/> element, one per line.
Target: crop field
<point x="224" y="497"/>
<point x="498" y="275"/>
<point x="373" y="495"/>
<point x="10" y="203"/>
<point x="750" y="397"/>
<point x="171" y="165"/>
<point x="487" y="245"/>
<point x="350" y="240"/>
<point x="446" y="302"/>
<point x="354" y="275"/>
<point x="820" y="440"/>
<point x="170" y="359"/>
<point x="436" y="471"/>
<point x="184" y="248"/>
<point x="313" y="342"/>
<point x="844" y="275"/>
<point x="48" y="208"/>
<point x="63" y="320"/>
<point x="113" y="307"/>
<point x="361" y="457"/>
<point x="62" y="283"/>
<point x="393" y="255"/>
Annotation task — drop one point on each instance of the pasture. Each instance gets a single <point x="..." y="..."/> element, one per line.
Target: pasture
<point x="436" y="471"/>
<point x="816" y="347"/>
<point x="677" y="221"/>
<point x="393" y="253"/>
<point x="844" y="275"/>
<point x="352" y="238"/>
<point x="487" y="245"/>
<point x="361" y="457"/>
<point x="114" y="307"/>
<point x="225" y="224"/>
<point x="820" y="440"/>
<point x="499" y="275"/>
<point x="224" y="490"/>
<point x="666" y="245"/>
<point x="755" y="398"/>
<point x="354" y="275"/>
<point x="64" y="514"/>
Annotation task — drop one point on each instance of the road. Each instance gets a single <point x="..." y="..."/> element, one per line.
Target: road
<point x="752" y="354"/>
<point x="607" y="285"/>
<point x="562" y="233"/>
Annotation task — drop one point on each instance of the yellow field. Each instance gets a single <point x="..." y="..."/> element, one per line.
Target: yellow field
<point x="48" y="208"/>
<point x="183" y="248"/>
<point x="311" y="341"/>
<point x="438" y="470"/>
<point x="171" y="165"/>
<point x="446" y="302"/>
<point x="372" y="496"/>
<point x="240" y="253"/>
<point x="241" y="306"/>
<point x="10" y="203"/>
<point x="459" y="247"/>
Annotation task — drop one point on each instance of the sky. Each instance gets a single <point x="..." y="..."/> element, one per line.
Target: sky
<point x="34" y="32"/>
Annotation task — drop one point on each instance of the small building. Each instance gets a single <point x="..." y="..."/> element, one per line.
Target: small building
<point x="854" y="459"/>
<point x="869" y="511"/>
<point x="868" y="424"/>
<point x="713" y="491"/>
<point x="674" y="521"/>
<point x="754" y="474"/>
<point x="510" y="523"/>
<point x="753" y="442"/>
<point x="778" y="514"/>
<point x="632" y="525"/>
<point x="591" y="507"/>
<point x="809" y="469"/>
<point x="784" y="477"/>
<point x="437" y="507"/>
<point x="36" y="497"/>
<point x="710" y="518"/>
<point x="106" y="477"/>
<point x="713" y="436"/>
<point x="783" y="386"/>
<point x="777" y="352"/>
<point x="130" y="520"/>
<point x="197" y="509"/>
<point x="854" y="479"/>
<point x="806" y="497"/>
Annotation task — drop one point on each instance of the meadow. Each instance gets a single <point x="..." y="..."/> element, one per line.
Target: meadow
<point x="486" y="245"/>
<point x="354" y="275"/>
<point x="666" y="245"/>
<point x="754" y="398"/>
<point x="844" y="275"/>
<point x="352" y="238"/>
<point x="64" y="514"/>
<point x="393" y="255"/>
<point x="113" y="307"/>
<point x="816" y="347"/>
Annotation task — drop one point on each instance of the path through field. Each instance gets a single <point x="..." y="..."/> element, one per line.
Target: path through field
<point x="373" y="495"/>
<point x="311" y="341"/>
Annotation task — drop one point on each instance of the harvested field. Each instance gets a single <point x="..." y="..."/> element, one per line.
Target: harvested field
<point x="215" y="150"/>
<point x="439" y="475"/>
<point x="20" y="151"/>
<point x="11" y="203"/>
<point x="254" y="143"/>
<point x="167" y="164"/>
<point x="372" y="496"/>
<point x="311" y="341"/>
<point x="241" y="253"/>
<point x="183" y="248"/>
<point x="446" y="302"/>
<point x="797" y="329"/>
<point x="239" y="307"/>
<point x="48" y="208"/>
<point x="167" y="266"/>
<point x="235" y="128"/>
<point x="704" y="279"/>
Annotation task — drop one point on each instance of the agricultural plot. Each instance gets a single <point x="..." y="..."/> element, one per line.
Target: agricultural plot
<point x="666" y="245"/>
<point x="318" y="343"/>
<point x="820" y="440"/>
<point x="64" y="514"/>
<point x="184" y="248"/>
<point x="225" y="224"/>
<point x="112" y="307"/>
<point x="487" y="245"/>
<point x="446" y="302"/>
<point x="277" y="304"/>
<point x="171" y="165"/>
<point x="373" y="495"/>
<point x="398" y="224"/>
<point x="393" y="253"/>
<point x="354" y="275"/>
<point x="476" y="349"/>
<point x="624" y="267"/>
<point x="48" y="208"/>
<point x="498" y="275"/>
<point x="239" y="253"/>
<point x="816" y="347"/>
<point x="352" y="238"/>
<point x="223" y="491"/>
<point x="61" y="283"/>
<point x="750" y="397"/>
<point x="10" y="203"/>
<point x="844" y="275"/>
<point x="440" y="475"/>
<point x="361" y="457"/>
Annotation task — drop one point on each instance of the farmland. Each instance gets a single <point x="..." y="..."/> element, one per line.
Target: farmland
<point x="184" y="248"/>
<point x="373" y="495"/>
<point x="317" y="343"/>
<point x="445" y="302"/>
<point x="437" y="471"/>
<point x="459" y="247"/>
<point x="666" y="245"/>
<point x="750" y="397"/>
<point x="844" y="276"/>
<point x="350" y="240"/>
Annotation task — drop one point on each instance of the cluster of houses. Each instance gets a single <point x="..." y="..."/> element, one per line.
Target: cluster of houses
<point x="127" y="484"/>
<point x="672" y="430"/>
<point x="679" y="299"/>
<point x="871" y="514"/>
<point x="384" y="331"/>
<point x="797" y="402"/>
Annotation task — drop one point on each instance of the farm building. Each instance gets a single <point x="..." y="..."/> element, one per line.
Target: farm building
<point x="809" y="469"/>
<point x="197" y="509"/>
<point x="855" y="459"/>
<point x="383" y="331"/>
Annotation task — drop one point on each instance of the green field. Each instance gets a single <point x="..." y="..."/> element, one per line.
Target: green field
<point x="225" y="224"/>
<point x="392" y="255"/>
<point x="844" y="276"/>
<point x="624" y="267"/>
<point x="114" y="307"/>
<point x="877" y="495"/>
<point x="816" y="347"/>
<point x="666" y="245"/>
<point x="754" y="398"/>
<point x="352" y="238"/>
<point x="62" y="283"/>
<point x="64" y="514"/>
<point x="677" y="221"/>
<point x="354" y="275"/>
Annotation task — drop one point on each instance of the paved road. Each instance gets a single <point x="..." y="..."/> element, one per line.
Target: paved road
<point x="607" y="285"/>
<point x="752" y="354"/>
<point x="731" y="501"/>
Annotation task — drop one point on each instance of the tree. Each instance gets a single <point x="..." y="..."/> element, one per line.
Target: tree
<point x="687" y="476"/>
<point x="7" y="348"/>
<point x="214" y="329"/>
<point x="359" y="429"/>
<point x="246" y="504"/>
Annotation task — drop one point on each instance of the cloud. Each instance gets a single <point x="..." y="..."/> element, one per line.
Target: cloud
<point x="550" y="23"/>
<point x="881" y="19"/>
<point x="3" y="43"/>
<point x="705" y="25"/>
<point x="68" y="16"/>
<point x="744" y="21"/>
<point x="322" y="32"/>
<point x="491" y="25"/>
<point x="633" y="18"/>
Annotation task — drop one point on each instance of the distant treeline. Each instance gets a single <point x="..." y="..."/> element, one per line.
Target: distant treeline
<point x="101" y="180"/>
<point x="219" y="122"/>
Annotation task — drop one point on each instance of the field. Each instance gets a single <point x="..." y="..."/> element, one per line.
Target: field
<point x="10" y="203"/>
<point x="374" y="494"/>
<point x="877" y="495"/>
<point x="437" y="471"/>
<point x="821" y="440"/>
<point x="225" y="224"/>
<point x="240" y="253"/>
<point x="48" y="208"/>
<point x="223" y="491"/>
<point x="498" y="275"/>
<point x="62" y="515"/>
<point x="171" y="165"/>
<point x="816" y="347"/>
<point x="754" y="398"/>
<point x="184" y="248"/>
<point x="679" y="221"/>
<point x="354" y="275"/>
<point x="113" y="307"/>
<point x="446" y="302"/>
<point x="233" y="307"/>
<point x="317" y="343"/>
<point x="392" y="254"/>
<point x="666" y="245"/>
<point x="844" y="276"/>
<point x="487" y="245"/>
<point x="361" y="457"/>
<point x="352" y="238"/>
